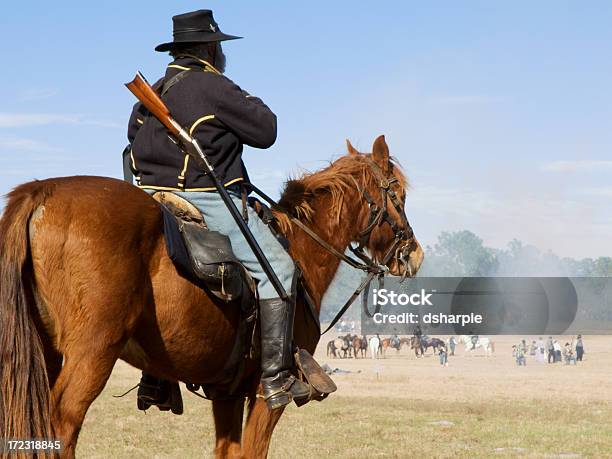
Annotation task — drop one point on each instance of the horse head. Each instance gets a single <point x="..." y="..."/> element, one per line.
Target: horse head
<point x="358" y="199"/>
<point x="382" y="225"/>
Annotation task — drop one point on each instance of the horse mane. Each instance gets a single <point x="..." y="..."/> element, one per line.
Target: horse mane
<point x="334" y="180"/>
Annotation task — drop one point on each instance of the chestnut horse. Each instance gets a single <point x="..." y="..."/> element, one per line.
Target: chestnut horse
<point x="360" y="344"/>
<point x="85" y="280"/>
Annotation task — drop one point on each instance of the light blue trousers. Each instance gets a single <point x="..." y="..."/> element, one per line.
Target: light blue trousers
<point x="218" y="218"/>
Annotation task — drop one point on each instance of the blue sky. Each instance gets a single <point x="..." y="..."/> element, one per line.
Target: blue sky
<point x="500" y="112"/>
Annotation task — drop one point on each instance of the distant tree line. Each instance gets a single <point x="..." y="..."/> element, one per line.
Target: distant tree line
<point x="462" y="253"/>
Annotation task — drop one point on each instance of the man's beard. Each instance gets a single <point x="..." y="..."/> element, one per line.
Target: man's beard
<point x="220" y="59"/>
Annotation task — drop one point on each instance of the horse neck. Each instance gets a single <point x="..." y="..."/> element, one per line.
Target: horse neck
<point x="320" y="266"/>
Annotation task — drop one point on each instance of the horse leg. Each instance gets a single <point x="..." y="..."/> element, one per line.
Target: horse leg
<point x="258" y="429"/>
<point x="228" y="427"/>
<point x="80" y="381"/>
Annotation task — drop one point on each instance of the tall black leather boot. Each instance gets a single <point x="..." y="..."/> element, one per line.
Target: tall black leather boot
<point x="279" y="386"/>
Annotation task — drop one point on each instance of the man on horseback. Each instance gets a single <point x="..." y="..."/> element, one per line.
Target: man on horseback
<point x="223" y="118"/>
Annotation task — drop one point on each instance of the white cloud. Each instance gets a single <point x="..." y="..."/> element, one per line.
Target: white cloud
<point x="577" y="165"/>
<point x="21" y="120"/>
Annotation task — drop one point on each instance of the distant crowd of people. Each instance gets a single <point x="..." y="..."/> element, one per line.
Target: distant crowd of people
<point x="551" y="351"/>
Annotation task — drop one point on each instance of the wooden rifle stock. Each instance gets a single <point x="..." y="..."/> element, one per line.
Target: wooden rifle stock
<point x="151" y="100"/>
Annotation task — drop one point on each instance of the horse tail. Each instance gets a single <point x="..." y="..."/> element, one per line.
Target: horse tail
<point x="24" y="387"/>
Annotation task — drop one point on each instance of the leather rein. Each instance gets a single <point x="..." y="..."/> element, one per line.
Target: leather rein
<point x="403" y="243"/>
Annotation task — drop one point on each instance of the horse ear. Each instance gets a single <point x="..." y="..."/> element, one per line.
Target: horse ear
<point x="351" y="148"/>
<point x="380" y="153"/>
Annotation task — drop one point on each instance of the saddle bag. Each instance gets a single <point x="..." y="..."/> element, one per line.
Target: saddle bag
<point x="202" y="255"/>
<point x="212" y="260"/>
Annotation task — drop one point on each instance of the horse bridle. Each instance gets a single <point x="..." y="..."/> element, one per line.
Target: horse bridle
<point x="379" y="215"/>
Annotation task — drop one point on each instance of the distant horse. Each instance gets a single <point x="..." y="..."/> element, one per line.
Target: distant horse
<point x="359" y="344"/>
<point x="434" y="343"/>
<point x="387" y="343"/>
<point x="482" y="343"/>
<point x="364" y="346"/>
<point x="345" y="345"/>
<point x="374" y="346"/>
<point x="85" y="280"/>
<point x="421" y="344"/>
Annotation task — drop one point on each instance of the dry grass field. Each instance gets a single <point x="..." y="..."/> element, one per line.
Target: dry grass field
<point x="397" y="407"/>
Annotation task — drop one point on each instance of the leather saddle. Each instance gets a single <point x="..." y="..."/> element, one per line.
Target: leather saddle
<point x="200" y="254"/>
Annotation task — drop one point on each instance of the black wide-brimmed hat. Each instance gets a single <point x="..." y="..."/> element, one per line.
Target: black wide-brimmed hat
<point x="195" y="27"/>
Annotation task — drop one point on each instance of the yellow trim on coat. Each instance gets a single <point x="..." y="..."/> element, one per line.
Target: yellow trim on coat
<point x="161" y="188"/>
<point x="165" y="188"/>
<point x="199" y="121"/>
<point x="180" y="67"/>
<point x="207" y="66"/>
